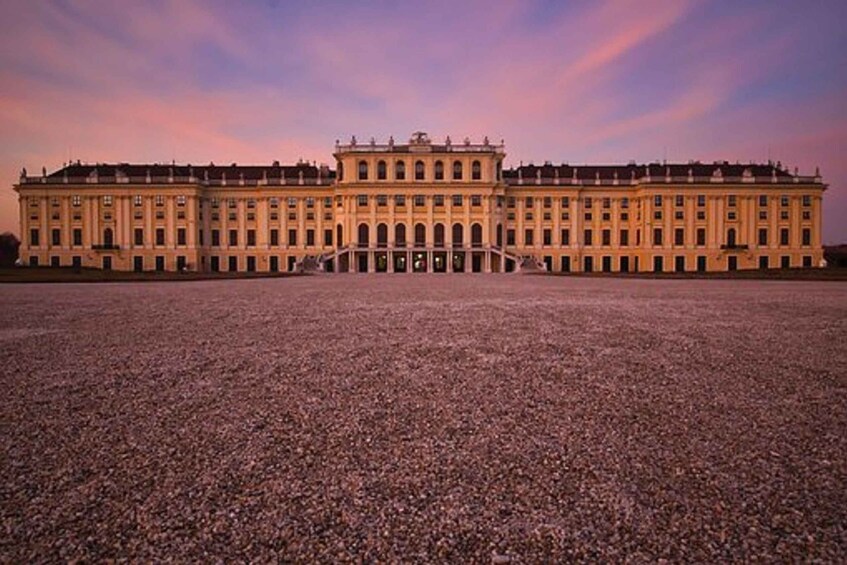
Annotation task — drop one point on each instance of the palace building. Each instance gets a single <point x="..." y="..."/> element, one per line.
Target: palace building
<point x="422" y="207"/>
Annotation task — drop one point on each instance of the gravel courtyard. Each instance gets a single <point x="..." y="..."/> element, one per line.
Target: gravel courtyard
<point x="424" y="418"/>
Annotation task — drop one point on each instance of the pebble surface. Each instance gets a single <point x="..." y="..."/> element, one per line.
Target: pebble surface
<point x="438" y="418"/>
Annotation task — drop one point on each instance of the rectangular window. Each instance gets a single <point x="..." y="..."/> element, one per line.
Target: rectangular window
<point x="701" y="236"/>
<point x="160" y="200"/>
<point x="399" y="200"/>
<point x="701" y="200"/>
<point x="362" y="200"/>
<point x="310" y="237"/>
<point x="731" y="201"/>
<point x="510" y="202"/>
<point x="607" y="202"/>
<point x="180" y="200"/>
<point x="783" y="200"/>
<point x="607" y="237"/>
<point x="657" y="236"/>
<point x="548" y="202"/>
<point x="763" y="215"/>
<point x="216" y="238"/>
<point x="56" y="235"/>
<point x="274" y="202"/>
<point x="807" y="236"/>
<point x="783" y="236"/>
<point x="420" y="200"/>
<point x="679" y="201"/>
<point x="588" y="202"/>
<point x="566" y="237"/>
<point x="233" y="238"/>
<point x="476" y="200"/>
<point x="763" y="236"/>
<point x="701" y="215"/>
<point x="657" y="215"/>
<point x="139" y="236"/>
<point x="457" y="200"/>
<point x="381" y="200"/>
<point x="438" y="200"/>
<point x="34" y="237"/>
<point x="566" y="202"/>
<point x="510" y="237"/>
<point x="77" y="236"/>
<point x="327" y="238"/>
<point x="678" y="215"/>
<point x="807" y="200"/>
<point x="137" y="200"/>
<point x="251" y="238"/>
<point x="657" y="201"/>
<point x="528" y="237"/>
<point x="292" y="237"/>
<point x="274" y="237"/>
<point x="180" y="236"/>
<point x="310" y="202"/>
<point x="679" y="236"/>
<point x="587" y="237"/>
<point x="763" y="200"/>
<point x="76" y="200"/>
<point x="625" y="203"/>
<point x="160" y="236"/>
<point x="624" y="236"/>
<point x="107" y="200"/>
<point x="588" y="216"/>
<point x="548" y="237"/>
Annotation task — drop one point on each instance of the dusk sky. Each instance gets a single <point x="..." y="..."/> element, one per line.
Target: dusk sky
<point x="579" y="82"/>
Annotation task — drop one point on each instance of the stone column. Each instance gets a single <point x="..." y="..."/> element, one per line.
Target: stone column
<point x="262" y="223"/>
<point x="45" y="237"/>
<point x="65" y="214"/>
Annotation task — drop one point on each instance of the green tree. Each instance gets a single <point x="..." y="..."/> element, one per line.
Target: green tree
<point x="9" y="245"/>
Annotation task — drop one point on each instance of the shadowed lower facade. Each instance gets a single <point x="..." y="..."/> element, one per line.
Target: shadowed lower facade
<point x="422" y="207"/>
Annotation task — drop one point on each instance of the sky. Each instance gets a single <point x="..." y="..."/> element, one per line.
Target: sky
<point x="600" y="81"/>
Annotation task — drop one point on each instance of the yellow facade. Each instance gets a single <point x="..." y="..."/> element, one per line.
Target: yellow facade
<point x="422" y="206"/>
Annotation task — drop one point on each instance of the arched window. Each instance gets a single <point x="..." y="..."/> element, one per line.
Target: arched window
<point x="363" y="170"/>
<point x="340" y="171"/>
<point x="364" y="232"/>
<point x="400" y="235"/>
<point x="476" y="235"/>
<point x="339" y="232"/>
<point x="476" y="170"/>
<point x="439" y="235"/>
<point x="381" y="171"/>
<point x="458" y="235"/>
<point x="108" y="237"/>
<point x="400" y="170"/>
<point x="382" y="235"/>
<point x="730" y="237"/>
<point x="499" y="235"/>
<point x="499" y="171"/>
<point x="420" y="235"/>
<point x="419" y="170"/>
<point x="439" y="170"/>
<point x="457" y="170"/>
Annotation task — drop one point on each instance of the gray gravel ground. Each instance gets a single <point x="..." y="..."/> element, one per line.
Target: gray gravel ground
<point x="424" y="418"/>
